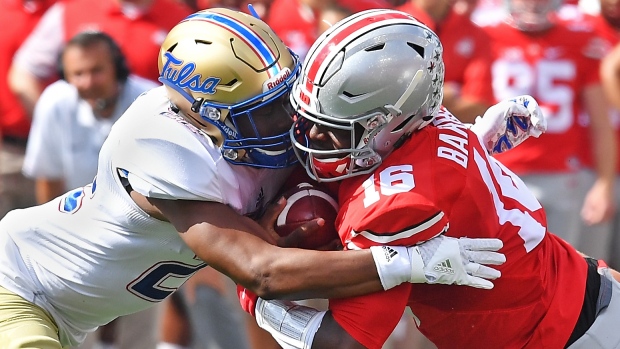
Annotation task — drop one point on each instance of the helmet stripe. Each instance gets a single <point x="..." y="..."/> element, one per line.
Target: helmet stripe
<point x="320" y="57"/>
<point x="246" y="34"/>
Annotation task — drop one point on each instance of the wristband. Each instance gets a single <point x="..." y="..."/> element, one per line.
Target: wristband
<point x="292" y="325"/>
<point x="395" y="265"/>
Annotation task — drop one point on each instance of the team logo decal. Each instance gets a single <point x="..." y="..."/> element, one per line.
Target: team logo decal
<point x="182" y="75"/>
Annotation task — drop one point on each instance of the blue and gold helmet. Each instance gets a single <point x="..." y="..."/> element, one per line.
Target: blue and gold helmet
<point x="230" y="73"/>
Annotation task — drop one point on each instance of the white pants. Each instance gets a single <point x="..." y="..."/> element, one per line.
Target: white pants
<point x="604" y="333"/>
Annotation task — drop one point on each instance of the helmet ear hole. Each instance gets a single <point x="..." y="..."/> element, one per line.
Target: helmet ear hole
<point x="419" y="49"/>
<point x="403" y="124"/>
<point x="376" y="47"/>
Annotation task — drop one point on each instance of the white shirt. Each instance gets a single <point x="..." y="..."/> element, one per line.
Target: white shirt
<point x="66" y="136"/>
<point x="39" y="53"/>
<point x="92" y="255"/>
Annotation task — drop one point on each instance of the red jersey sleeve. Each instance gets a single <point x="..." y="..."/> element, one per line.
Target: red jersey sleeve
<point x="370" y="319"/>
<point x="402" y="219"/>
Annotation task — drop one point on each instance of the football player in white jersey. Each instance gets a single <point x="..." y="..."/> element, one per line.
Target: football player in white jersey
<point x="178" y="177"/>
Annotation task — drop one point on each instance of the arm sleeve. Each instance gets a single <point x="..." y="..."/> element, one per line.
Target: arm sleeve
<point x="166" y="161"/>
<point x="370" y="319"/>
<point x="405" y="219"/>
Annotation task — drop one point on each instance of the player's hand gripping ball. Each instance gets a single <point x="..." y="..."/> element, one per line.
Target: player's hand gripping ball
<point x="305" y="203"/>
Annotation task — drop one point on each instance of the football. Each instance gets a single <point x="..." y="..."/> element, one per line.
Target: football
<point x="304" y="203"/>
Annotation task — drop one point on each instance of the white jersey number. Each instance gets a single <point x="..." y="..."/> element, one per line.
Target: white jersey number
<point x="530" y="230"/>
<point x="162" y="279"/>
<point x="156" y="283"/>
<point x="392" y="180"/>
<point x="399" y="179"/>
<point x="546" y="81"/>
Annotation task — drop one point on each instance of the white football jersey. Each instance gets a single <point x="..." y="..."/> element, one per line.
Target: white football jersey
<point x="92" y="255"/>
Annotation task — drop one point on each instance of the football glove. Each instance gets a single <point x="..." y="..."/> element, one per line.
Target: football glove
<point x="441" y="260"/>
<point x="510" y="122"/>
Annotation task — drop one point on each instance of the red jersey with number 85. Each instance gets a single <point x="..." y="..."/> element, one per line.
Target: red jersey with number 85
<point x="554" y="67"/>
<point x="442" y="180"/>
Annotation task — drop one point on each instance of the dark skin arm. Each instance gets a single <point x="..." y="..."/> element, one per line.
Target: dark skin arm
<point x="231" y="244"/>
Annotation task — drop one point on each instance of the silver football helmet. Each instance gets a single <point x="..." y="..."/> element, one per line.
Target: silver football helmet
<point x="532" y="15"/>
<point x="377" y="74"/>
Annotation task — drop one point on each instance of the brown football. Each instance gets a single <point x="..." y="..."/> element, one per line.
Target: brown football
<point x="305" y="203"/>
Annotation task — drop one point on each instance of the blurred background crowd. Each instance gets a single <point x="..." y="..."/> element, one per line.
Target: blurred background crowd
<point x="69" y="69"/>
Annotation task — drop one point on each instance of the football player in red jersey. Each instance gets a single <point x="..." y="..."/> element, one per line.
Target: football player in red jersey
<point x="409" y="171"/>
<point x="556" y="62"/>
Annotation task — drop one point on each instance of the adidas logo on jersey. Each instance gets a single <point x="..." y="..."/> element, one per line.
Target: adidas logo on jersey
<point x="389" y="253"/>
<point x="444" y="267"/>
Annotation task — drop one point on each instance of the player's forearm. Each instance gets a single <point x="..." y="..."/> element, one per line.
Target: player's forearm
<point x="48" y="189"/>
<point x="301" y="274"/>
<point x="26" y="87"/>
<point x="610" y="77"/>
<point x="602" y="134"/>
<point x="229" y="243"/>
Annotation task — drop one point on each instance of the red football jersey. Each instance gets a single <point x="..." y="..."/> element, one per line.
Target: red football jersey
<point x="466" y="52"/>
<point x="554" y="67"/>
<point x="139" y="38"/>
<point x="295" y="23"/>
<point x="609" y="37"/>
<point x="442" y="180"/>
<point x="23" y="17"/>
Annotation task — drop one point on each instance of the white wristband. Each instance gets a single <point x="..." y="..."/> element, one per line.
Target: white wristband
<point x="398" y="264"/>
<point x="292" y="325"/>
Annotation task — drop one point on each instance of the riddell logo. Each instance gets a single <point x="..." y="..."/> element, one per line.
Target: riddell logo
<point x="277" y="80"/>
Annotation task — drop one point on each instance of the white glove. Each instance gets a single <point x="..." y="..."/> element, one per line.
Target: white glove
<point x="510" y="122"/>
<point x="441" y="260"/>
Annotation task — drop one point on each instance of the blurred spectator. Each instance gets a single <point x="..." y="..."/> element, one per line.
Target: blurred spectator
<point x="72" y="119"/>
<point x="535" y="53"/>
<point x="607" y="24"/>
<point x="74" y="115"/>
<point x="467" y="88"/>
<point x="362" y="5"/>
<point x="23" y="16"/>
<point x="610" y="77"/>
<point x="261" y="7"/>
<point x="330" y="15"/>
<point x="15" y="190"/>
<point x="465" y="7"/>
<point x="489" y="12"/>
<point x="296" y="22"/>
<point x="597" y="238"/>
<point x="138" y="26"/>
